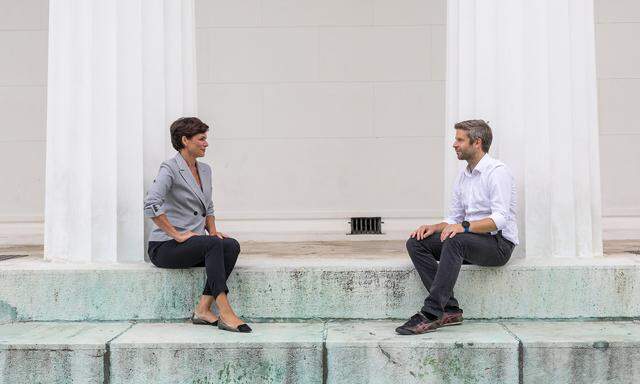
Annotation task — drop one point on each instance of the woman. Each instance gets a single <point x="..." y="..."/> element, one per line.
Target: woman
<point x="179" y="203"/>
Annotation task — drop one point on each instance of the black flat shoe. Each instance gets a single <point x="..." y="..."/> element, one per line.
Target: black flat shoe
<point x="198" y="321"/>
<point x="242" y="328"/>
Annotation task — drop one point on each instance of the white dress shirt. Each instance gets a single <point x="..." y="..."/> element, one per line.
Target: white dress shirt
<point x="488" y="191"/>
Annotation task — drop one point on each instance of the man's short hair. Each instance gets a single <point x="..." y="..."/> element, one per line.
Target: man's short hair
<point x="188" y="127"/>
<point x="477" y="129"/>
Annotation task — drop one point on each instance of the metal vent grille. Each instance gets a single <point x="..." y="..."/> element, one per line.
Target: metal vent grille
<point x="366" y="226"/>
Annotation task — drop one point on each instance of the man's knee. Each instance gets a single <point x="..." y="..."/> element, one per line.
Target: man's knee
<point x="456" y="240"/>
<point x="457" y="243"/>
<point x="412" y="244"/>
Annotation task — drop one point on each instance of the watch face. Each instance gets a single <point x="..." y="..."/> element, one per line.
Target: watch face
<point x="465" y="224"/>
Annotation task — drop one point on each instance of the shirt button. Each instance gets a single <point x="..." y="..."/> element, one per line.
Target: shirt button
<point x="195" y="213"/>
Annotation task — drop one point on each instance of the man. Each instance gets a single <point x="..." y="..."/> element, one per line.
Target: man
<point x="480" y="229"/>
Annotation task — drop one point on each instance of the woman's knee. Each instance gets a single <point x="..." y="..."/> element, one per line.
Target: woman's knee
<point x="232" y="245"/>
<point x="212" y="242"/>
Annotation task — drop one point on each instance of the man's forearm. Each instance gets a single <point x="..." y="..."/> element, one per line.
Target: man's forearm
<point x="163" y="223"/>
<point x="482" y="226"/>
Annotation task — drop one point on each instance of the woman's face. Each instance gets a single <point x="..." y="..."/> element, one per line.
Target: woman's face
<point x="196" y="145"/>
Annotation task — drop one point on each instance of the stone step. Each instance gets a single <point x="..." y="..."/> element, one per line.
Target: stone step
<point x="55" y="352"/>
<point x="184" y="353"/>
<point x="373" y="353"/>
<point x="319" y="281"/>
<point x="327" y="352"/>
<point x="589" y="352"/>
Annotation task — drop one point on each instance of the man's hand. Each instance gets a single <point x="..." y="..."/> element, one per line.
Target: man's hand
<point x="184" y="236"/>
<point x="423" y="232"/>
<point x="450" y="231"/>
<point x="219" y="234"/>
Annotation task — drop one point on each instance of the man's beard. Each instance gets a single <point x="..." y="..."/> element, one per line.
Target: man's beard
<point x="462" y="155"/>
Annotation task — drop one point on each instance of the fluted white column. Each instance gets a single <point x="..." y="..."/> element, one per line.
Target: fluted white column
<point x="119" y="72"/>
<point x="529" y="68"/>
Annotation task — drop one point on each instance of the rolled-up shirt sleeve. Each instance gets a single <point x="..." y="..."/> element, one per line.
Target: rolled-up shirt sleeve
<point x="154" y="201"/>
<point x="500" y="188"/>
<point x="455" y="214"/>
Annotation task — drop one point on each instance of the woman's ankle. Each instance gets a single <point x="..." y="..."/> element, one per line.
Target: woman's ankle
<point x="230" y="316"/>
<point x="203" y="311"/>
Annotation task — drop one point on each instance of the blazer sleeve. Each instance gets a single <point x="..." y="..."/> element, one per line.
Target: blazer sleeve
<point x="154" y="201"/>
<point x="210" y="211"/>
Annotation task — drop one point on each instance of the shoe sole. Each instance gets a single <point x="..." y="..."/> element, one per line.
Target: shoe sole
<point x="204" y="322"/>
<point x="409" y="333"/>
<point x="449" y="324"/>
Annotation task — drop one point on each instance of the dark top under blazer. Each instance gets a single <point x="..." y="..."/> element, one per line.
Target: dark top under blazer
<point x="176" y="193"/>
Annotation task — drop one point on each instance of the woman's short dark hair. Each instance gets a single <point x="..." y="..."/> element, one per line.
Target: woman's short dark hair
<point x="188" y="127"/>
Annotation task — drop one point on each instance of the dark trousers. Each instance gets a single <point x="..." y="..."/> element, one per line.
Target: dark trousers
<point x="217" y="256"/>
<point x="440" y="278"/>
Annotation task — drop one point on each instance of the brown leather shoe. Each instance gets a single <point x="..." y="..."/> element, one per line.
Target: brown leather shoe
<point x="417" y="325"/>
<point x="451" y="318"/>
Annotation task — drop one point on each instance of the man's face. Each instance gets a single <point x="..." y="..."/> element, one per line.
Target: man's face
<point x="463" y="147"/>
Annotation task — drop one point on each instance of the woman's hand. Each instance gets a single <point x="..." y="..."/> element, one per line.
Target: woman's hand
<point x="184" y="236"/>
<point x="219" y="234"/>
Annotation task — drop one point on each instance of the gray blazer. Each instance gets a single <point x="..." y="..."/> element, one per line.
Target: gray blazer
<point x="176" y="193"/>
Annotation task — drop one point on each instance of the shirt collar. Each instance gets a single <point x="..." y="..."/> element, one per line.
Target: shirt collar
<point x="482" y="165"/>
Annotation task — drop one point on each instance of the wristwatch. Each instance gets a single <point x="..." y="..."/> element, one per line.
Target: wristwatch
<point x="466" y="225"/>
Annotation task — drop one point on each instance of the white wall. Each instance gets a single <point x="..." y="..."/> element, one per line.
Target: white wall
<point x="322" y="108"/>
<point x="23" y="79"/>
<point x="618" y="55"/>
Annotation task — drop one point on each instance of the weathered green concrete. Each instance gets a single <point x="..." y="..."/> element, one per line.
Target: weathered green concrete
<point x="579" y="352"/>
<point x="372" y="352"/>
<point x="184" y="353"/>
<point x="338" y="286"/>
<point x="336" y="352"/>
<point x="381" y="288"/>
<point x="32" y="289"/>
<point x="55" y="352"/>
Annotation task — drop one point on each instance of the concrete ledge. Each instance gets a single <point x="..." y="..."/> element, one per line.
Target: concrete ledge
<point x="312" y="285"/>
<point x="32" y="289"/>
<point x="181" y="353"/>
<point x="385" y="287"/>
<point x="373" y="353"/>
<point x="334" y="352"/>
<point x="571" y="352"/>
<point x="55" y="352"/>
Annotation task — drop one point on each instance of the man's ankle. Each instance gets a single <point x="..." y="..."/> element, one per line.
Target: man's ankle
<point x="429" y="316"/>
